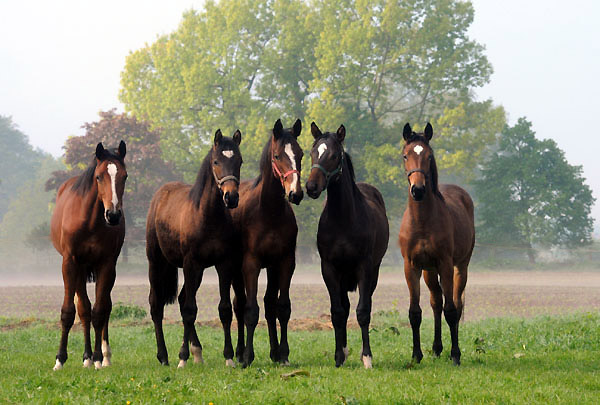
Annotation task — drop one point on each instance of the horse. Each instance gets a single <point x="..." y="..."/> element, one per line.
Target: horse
<point x="437" y="236"/>
<point x="87" y="229"/>
<point x="190" y="226"/>
<point x="352" y="237"/>
<point x="267" y="227"/>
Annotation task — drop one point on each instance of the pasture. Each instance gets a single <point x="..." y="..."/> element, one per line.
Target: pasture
<point x="511" y="353"/>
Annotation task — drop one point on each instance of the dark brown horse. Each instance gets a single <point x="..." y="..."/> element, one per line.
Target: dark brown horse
<point x="267" y="225"/>
<point x="191" y="227"/>
<point x="88" y="229"/>
<point x="437" y="237"/>
<point x="352" y="238"/>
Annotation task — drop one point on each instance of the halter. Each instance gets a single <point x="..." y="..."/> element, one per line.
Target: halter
<point x="222" y="180"/>
<point x="329" y="175"/>
<point x="416" y="171"/>
<point x="277" y="172"/>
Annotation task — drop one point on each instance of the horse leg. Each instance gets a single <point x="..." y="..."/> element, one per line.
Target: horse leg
<point x="450" y="312"/>
<point x="363" y="312"/>
<point x="413" y="277"/>
<point x="344" y="337"/>
<point x="270" y="302"/>
<point x="105" y="281"/>
<point x="67" y="311"/>
<point x="250" y="269"/>
<point x="157" y="270"/>
<point x="239" y="306"/>
<point x="187" y="304"/>
<point x="460" y="282"/>
<point x="225" y="312"/>
<point x="339" y="316"/>
<point x="436" y="300"/>
<point x="284" y="305"/>
<point x="84" y="309"/>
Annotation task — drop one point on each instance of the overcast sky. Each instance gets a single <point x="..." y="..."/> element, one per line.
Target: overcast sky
<point x="60" y="63"/>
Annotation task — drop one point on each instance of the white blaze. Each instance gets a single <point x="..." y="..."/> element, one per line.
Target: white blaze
<point x="418" y="149"/>
<point x="290" y="153"/>
<point x="322" y="148"/>
<point x="112" y="171"/>
<point x="228" y="153"/>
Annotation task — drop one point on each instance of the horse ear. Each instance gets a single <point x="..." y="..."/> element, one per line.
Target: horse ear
<point x="407" y="132"/>
<point x="428" y="131"/>
<point x="218" y="136"/>
<point x="297" y="128"/>
<point x="341" y="133"/>
<point x="122" y="149"/>
<point x="277" y="129"/>
<point x="315" y="131"/>
<point x="99" y="151"/>
<point x="237" y="137"/>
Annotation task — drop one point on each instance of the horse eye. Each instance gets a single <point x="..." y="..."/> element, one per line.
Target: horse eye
<point x="276" y="157"/>
<point x="405" y="157"/>
<point x="216" y="163"/>
<point x="98" y="178"/>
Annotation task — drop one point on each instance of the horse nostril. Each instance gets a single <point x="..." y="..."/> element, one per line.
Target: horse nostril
<point x="417" y="192"/>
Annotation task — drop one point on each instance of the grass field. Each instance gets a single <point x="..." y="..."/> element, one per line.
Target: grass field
<point x="505" y="360"/>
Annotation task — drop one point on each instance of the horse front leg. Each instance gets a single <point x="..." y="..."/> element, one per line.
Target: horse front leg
<point x="436" y="300"/>
<point x="413" y="277"/>
<point x="105" y="280"/>
<point x="270" y="302"/>
<point x="363" y="311"/>
<point x="339" y="313"/>
<point x="67" y="312"/>
<point x="239" y="307"/>
<point x="250" y="269"/>
<point x="84" y="309"/>
<point x="451" y="313"/>
<point x="225" y="311"/>
<point x="284" y="305"/>
<point x="192" y="273"/>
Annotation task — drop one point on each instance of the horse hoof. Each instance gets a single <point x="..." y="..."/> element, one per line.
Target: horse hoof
<point x="229" y="363"/>
<point x="456" y="361"/>
<point x="181" y="364"/>
<point x="87" y="363"/>
<point x="58" y="365"/>
<point x="285" y="363"/>
<point x="367" y="361"/>
<point x="197" y="353"/>
<point x="106" y="362"/>
<point x="97" y="365"/>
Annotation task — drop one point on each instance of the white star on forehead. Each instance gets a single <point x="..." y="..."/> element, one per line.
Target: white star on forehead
<point x="322" y="148"/>
<point x="228" y="153"/>
<point x="418" y="149"/>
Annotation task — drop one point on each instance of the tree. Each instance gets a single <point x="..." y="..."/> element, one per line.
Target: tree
<point x="145" y="166"/>
<point x="529" y="194"/>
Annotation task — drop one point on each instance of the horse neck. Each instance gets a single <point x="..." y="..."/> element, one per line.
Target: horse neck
<point x="93" y="206"/>
<point x="211" y="206"/>
<point x="426" y="210"/>
<point x="343" y="196"/>
<point x="271" y="189"/>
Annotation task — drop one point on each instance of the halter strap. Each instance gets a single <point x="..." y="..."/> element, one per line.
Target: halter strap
<point x="222" y="180"/>
<point x="329" y="175"/>
<point x="277" y="172"/>
<point x="415" y="171"/>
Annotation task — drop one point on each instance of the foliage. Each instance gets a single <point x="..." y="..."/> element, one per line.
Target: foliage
<point x="529" y="194"/>
<point x="122" y="311"/>
<point x="38" y="239"/>
<point x="542" y="360"/>
<point x="145" y="166"/>
<point x="18" y="160"/>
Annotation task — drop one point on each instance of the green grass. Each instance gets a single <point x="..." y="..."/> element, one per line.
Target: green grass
<point x="541" y="360"/>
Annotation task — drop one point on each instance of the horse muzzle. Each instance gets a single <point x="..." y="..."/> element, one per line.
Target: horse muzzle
<point x="417" y="192"/>
<point x="295" y="197"/>
<point x="231" y="199"/>
<point x="113" y="217"/>
<point x="312" y="189"/>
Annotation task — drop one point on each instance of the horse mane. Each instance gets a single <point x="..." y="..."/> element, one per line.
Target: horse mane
<point x="348" y="161"/>
<point x="83" y="183"/>
<point x="265" y="159"/>
<point x="432" y="166"/>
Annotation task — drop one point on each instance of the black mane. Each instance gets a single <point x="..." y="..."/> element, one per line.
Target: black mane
<point x="349" y="165"/>
<point x="85" y="180"/>
<point x="432" y="167"/>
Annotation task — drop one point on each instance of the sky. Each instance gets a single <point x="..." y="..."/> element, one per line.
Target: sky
<point x="60" y="64"/>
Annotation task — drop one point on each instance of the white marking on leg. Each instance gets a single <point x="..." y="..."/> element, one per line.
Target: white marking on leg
<point x="322" y="148"/>
<point x="97" y="365"/>
<point x="345" y="353"/>
<point x="106" y="353"/>
<point x="290" y="153"/>
<point x="285" y="363"/>
<point x="367" y="361"/>
<point x="229" y="363"/>
<point x="87" y="363"/>
<point x="418" y="149"/>
<point x="181" y="364"/>
<point x="112" y="171"/>
<point x="58" y="365"/>
<point x="228" y="153"/>
<point x="197" y="353"/>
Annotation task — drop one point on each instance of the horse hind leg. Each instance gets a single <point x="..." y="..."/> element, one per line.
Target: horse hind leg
<point x="436" y="300"/>
<point x="163" y="289"/>
<point x="363" y="313"/>
<point x="450" y="310"/>
<point x="458" y="294"/>
<point x="84" y="309"/>
<point x="67" y="311"/>
<point x="284" y="306"/>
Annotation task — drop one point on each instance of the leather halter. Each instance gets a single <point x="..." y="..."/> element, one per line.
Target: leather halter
<point x="222" y="180"/>
<point x="277" y="172"/>
<point x="329" y="175"/>
<point x="416" y="171"/>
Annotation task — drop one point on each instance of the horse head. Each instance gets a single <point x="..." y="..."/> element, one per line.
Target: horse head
<point x="286" y="159"/>
<point x="419" y="162"/>
<point x="110" y="174"/>
<point x="327" y="156"/>
<point x="226" y="161"/>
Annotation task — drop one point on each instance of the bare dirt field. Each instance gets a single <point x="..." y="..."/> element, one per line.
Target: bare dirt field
<point x="488" y="294"/>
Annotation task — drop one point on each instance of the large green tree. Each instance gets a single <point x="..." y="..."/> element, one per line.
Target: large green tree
<point x="530" y="195"/>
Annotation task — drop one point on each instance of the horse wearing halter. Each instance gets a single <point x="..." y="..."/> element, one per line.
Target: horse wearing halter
<point x="277" y="172"/>
<point x="328" y="175"/>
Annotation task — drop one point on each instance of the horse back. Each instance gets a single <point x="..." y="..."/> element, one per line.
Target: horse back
<point x="461" y="209"/>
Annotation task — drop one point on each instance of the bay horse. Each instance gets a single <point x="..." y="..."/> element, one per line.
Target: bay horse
<point x="191" y="227"/>
<point x="437" y="237"/>
<point x="352" y="238"/>
<point x="87" y="229"/>
<point x="267" y="225"/>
